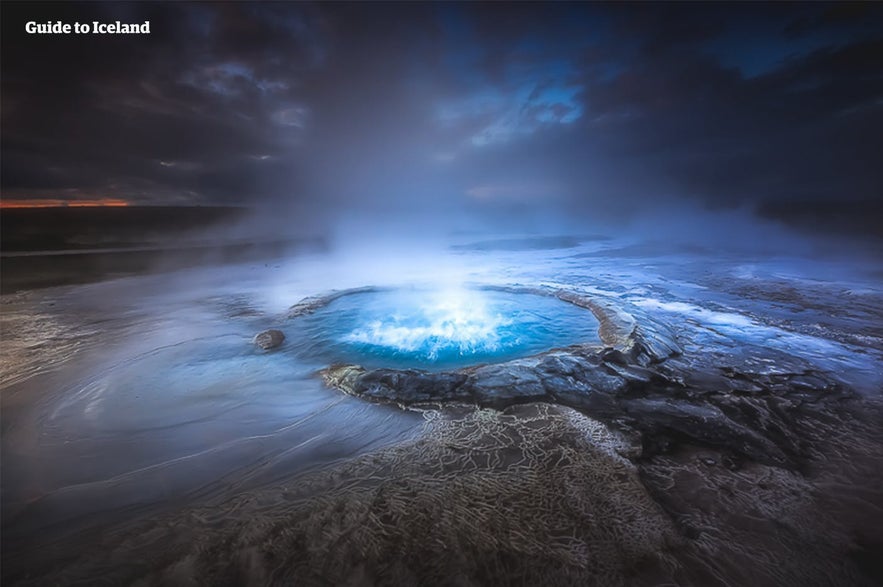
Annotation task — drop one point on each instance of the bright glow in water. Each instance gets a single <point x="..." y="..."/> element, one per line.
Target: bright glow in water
<point x="441" y="323"/>
<point x="443" y="329"/>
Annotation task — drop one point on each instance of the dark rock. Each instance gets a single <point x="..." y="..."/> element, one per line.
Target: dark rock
<point x="615" y="357"/>
<point x="343" y="377"/>
<point x="809" y="381"/>
<point x="310" y="304"/>
<point x="496" y="384"/>
<point x="633" y="373"/>
<point x="601" y="381"/>
<point x="269" y="339"/>
<point x="404" y="387"/>
<point x="705" y="424"/>
<point x="707" y="381"/>
<point x="411" y="386"/>
<point x="656" y="345"/>
<point x="654" y="444"/>
<point x="600" y="405"/>
<point x="562" y="365"/>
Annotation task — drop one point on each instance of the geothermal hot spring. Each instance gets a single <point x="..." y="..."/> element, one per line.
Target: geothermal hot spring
<point x="436" y="329"/>
<point x="567" y="413"/>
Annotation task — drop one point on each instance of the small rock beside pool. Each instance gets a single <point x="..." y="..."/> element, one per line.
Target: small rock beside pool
<point x="269" y="339"/>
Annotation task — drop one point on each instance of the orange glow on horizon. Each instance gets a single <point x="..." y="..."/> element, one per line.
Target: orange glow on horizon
<point x="55" y="203"/>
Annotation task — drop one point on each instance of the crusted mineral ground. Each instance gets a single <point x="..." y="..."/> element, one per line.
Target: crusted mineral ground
<point x="535" y="494"/>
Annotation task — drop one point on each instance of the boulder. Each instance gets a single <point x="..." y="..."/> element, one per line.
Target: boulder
<point x="269" y="339"/>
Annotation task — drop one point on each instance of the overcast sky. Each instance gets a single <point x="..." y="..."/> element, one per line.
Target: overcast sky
<point x="454" y="109"/>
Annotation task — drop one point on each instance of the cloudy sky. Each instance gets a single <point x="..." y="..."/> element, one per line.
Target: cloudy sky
<point x="454" y="109"/>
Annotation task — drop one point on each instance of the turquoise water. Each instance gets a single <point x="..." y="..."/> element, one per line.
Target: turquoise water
<point x="440" y="329"/>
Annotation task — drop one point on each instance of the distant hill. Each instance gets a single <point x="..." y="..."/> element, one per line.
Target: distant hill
<point x="44" y="247"/>
<point x="72" y="228"/>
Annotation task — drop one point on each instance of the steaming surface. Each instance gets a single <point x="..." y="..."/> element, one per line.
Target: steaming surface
<point x="441" y="329"/>
<point x="171" y="399"/>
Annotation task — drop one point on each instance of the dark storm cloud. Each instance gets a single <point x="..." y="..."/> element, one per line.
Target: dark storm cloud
<point x="452" y="109"/>
<point x="191" y="112"/>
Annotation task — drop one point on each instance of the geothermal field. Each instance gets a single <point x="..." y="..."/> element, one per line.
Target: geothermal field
<point x="566" y="410"/>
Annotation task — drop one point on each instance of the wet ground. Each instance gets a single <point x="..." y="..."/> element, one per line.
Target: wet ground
<point x="138" y="407"/>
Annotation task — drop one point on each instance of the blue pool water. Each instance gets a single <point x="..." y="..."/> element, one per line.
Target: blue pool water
<point x="440" y="329"/>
